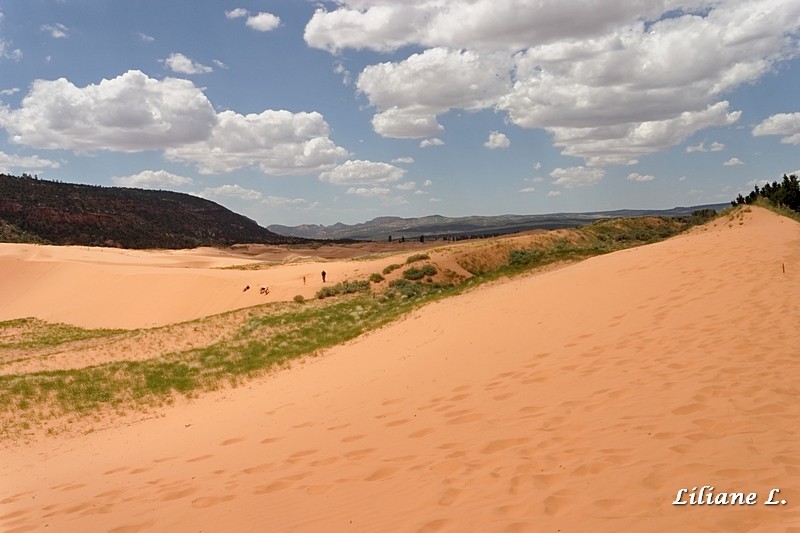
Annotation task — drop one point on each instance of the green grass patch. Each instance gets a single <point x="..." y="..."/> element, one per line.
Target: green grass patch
<point x="344" y="287"/>
<point x="419" y="273"/>
<point x="391" y="268"/>
<point x="417" y="257"/>
<point x="32" y="333"/>
<point x="777" y="209"/>
<point x="376" y="278"/>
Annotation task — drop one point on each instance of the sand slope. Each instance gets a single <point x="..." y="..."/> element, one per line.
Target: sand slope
<point x="581" y="399"/>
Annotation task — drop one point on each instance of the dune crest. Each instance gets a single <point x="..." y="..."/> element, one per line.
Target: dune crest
<point x="580" y="399"/>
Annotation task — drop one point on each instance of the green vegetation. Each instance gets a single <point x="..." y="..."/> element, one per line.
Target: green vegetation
<point x="417" y="257"/>
<point x="299" y="298"/>
<point x="376" y="278"/>
<point x="391" y="268"/>
<point x="600" y="238"/>
<point x="419" y="273"/>
<point x="31" y="333"/>
<point x="345" y="287"/>
<point x="783" y="197"/>
<point x="265" y="337"/>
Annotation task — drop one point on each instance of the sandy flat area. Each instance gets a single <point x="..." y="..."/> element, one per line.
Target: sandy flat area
<point x="580" y="399"/>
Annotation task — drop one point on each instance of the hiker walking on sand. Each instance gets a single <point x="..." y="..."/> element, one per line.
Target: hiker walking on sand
<point x="323" y="276"/>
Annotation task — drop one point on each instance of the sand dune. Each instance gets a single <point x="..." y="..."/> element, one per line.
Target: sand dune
<point x="581" y="399"/>
<point x="113" y="288"/>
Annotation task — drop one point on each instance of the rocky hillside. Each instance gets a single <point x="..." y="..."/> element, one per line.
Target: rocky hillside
<point x="34" y="210"/>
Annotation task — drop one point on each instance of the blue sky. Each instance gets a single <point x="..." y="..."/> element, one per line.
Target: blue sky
<point x="295" y="112"/>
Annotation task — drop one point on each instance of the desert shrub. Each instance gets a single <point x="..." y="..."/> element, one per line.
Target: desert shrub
<point x="406" y="288"/>
<point x="419" y="273"/>
<point x="525" y="257"/>
<point x="391" y="268"/>
<point x="376" y="278"/>
<point x="417" y="257"/>
<point x="345" y="287"/>
<point x="299" y="298"/>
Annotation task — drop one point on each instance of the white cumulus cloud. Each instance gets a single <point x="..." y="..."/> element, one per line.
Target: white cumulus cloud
<point x="56" y="31"/>
<point x="701" y="147"/>
<point x="230" y="191"/>
<point x="635" y="176"/>
<point x="787" y="124"/>
<point x="410" y="94"/>
<point x="732" y="162"/>
<point x="368" y="192"/>
<point x="236" y="13"/>
<point x="497" y="140"/>
<point x="279" y="142"/>
<point x="263" y="22"/>
<point x="9" y="162"/>
<point x="283" y="201"/>
<point x="181" y="64"/>
<point x="610" y="85"/>
<point x="358" y="172"/>
<point x="385" y="25"/>
<point x="427" y="143"/>
<point x="129" y="113"/>
<point x="151" y="179"/>
<point x="577" y="176"/>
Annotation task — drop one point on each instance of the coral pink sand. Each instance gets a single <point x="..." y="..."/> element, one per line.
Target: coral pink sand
<point x="581" y="399"/>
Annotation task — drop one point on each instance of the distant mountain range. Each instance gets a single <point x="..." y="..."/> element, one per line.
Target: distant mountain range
<point x="50" y="212"/>
<point x="379" y="229"/>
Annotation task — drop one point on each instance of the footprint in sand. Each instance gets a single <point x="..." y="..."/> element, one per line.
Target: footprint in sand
<point x="459" y="397"/>
<point x="295" y="457"/>
<point x="358" y="454"/>
<point x="686" y="409"/>
<point x="556" y="501"/>
<point x="381" y="473"/>
<point x="325" y="462"/>
<point x="434" y="525"/>
<point x="178" y="494"/>
<point x="391" y="401"/>
<point x="134" y="528"/>
<point x="449" y="497"/>
<point x="15" y="497"/>
<point x="257" y="469"/>
<point x="500" y="445"/>
<point x="234" y="440"/>
<point x="204" y="502"/>
<point x="272" y="487"/>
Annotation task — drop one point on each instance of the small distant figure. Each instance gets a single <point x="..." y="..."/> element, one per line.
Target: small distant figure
<point x="246" y="289"/>
<point x="264" y="290"/>
<point x="304" y="280"/>
<point x="323" y="276"/>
